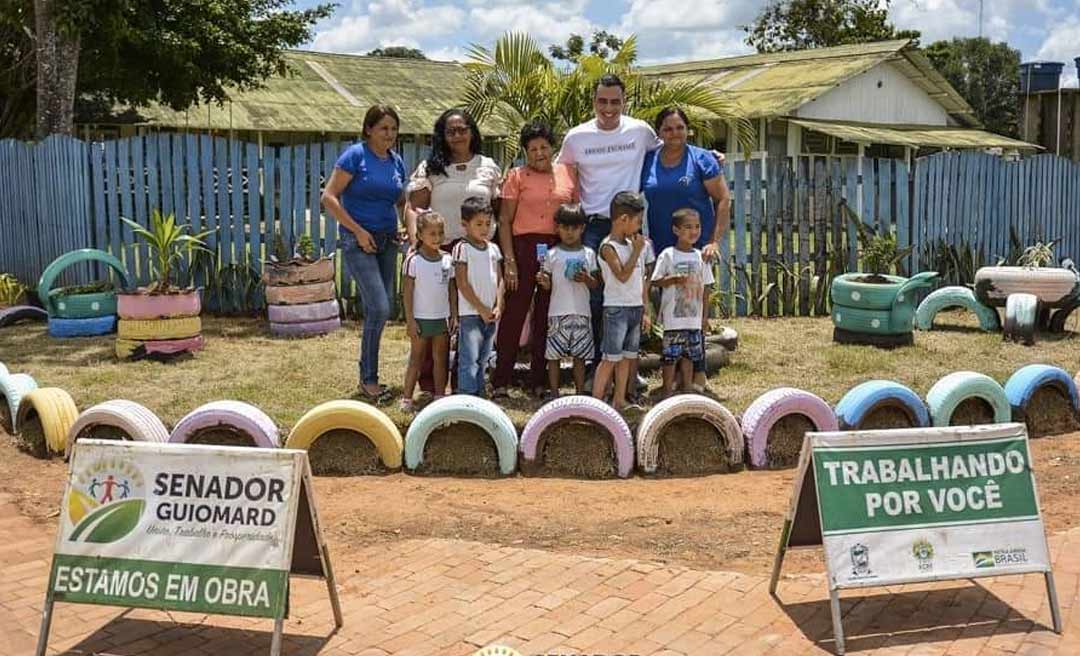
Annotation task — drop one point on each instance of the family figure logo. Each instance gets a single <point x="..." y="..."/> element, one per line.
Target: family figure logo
<point x="105" y="501"/>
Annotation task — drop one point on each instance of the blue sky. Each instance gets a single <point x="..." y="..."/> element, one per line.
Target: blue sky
<point x="667" y="30"/>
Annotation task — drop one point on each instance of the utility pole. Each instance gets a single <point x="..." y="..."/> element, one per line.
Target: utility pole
<point x="980" y="18"/>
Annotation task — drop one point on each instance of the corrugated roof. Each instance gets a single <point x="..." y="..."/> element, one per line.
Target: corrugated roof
<point x="776" y="84"/>
<point x="914" y="135"/>
<point x="329" y="93"/>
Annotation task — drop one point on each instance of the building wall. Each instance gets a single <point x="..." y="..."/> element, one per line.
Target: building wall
<point x="881" y="95"/>
<point x="1042" y="123"/>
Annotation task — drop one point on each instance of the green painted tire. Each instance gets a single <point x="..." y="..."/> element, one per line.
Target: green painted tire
<point x="950" y="297"/>
<point x="847" y="291"/>
<point x="82" y="306"/>
<point x="946" y="394"/>
<point x="875" y="322"/>
<point x="48" y="277"/>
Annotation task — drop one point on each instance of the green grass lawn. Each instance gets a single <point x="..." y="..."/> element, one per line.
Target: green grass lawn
<point x="287" y="377"/>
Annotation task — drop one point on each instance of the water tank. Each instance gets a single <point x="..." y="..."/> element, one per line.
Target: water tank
<point x="1040" y="76"/>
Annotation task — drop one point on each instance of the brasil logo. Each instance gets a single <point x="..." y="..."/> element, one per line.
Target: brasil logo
<point x="983" y="558"/>
<point x="105" y="501"/>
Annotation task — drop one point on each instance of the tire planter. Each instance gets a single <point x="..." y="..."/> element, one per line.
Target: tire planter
<point x="301" y="294"/>
<point x="1023" y="384"/>
<point x="307" y="313"/>
<point x="93" y="327"/>
<point x="134" y="419"/>
<point x="305" y="329"/>
<point x="774" y="405"/>
<point x="237" y="415"/>
<point x="461" y="408"/>
<point x="865" y="398"/>
<point x="16" y="313"/>
<point x="875" y="310"/>
<point x="353" y="416"/>
<point x="83" y="306"/>
<point x="950" y="297"/>
<point x="1057" y="321"/>
<point x="578" y="407"/>
<point x="159" y="329"/>
<point x="682" y="407"/>
<point x="55" y="410"/>
<point x="727" y="337"/>
<point x="135" y="349"/>
<point x="299" y="273"/>
<point x="1021" y="318"/>
<point x="76" y="304"/>
<point x="951" y="390"/>
<point x="13" y="387"/>
<point x="146" y="307"/>
<point x="1051" y="286"/>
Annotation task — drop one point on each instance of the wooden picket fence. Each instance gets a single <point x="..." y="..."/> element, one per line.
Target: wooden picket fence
<point x="789" y="233"/>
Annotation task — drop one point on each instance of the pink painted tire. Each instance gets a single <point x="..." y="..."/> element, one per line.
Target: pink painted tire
<point x="305" y="329"/>
<point x="585" y="408"/>
<point x="238" y="415"/>
<point x="774" y="405"/>
<point x="134" y="419"/>
<point x="307" y="313"/>
<point x="135" y="349"/>
<point x="158" y="306"/>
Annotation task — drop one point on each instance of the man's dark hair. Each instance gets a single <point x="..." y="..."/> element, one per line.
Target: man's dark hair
<point x="627" y="202"/>
<point x="570" y="215"/>
<point x="610" y="80"/>
<point x="474" y="205"/>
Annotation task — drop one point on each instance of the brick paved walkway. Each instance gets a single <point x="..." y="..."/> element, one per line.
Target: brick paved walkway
<point x="448" y="598"/>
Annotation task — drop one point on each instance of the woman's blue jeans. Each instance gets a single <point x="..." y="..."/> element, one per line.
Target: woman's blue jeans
<point x="375" y="275"/>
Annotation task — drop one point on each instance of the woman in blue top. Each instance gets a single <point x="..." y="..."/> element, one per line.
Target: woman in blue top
<point x="680" y="175"/>
<point x="364" y="194"/>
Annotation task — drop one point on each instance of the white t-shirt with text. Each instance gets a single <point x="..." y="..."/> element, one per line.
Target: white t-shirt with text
<point x="567" y="295"/>
<point x="608" y="161"/>
<point x="483" y="268"/>
<point x="682" y="306"/>
<point x="431" y="293"/>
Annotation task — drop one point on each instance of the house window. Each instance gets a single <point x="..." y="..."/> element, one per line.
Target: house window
<point x="816" y="143"/>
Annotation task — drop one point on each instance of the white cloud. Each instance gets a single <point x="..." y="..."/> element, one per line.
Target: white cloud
<point x="1063" y="44"/>
<point x="367" y="25"/>
<point x="667" y="15"/>
<point x="550" y="22"/>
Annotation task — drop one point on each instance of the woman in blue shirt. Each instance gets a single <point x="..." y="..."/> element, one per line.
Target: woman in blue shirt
<point x="679" y="175"/>
<point x="364" y="194"/>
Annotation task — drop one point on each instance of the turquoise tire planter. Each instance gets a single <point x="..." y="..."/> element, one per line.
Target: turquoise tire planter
<point x="872" y="395"/>
<point x="955" y="297"/>
<point x="951" y="390"/>
<point x="57" y="266"/>
<point x="875" y="310"/>
<point x="461" y="408"/>
<point x="82" y="306"/>
<point x="1023" y="384"/>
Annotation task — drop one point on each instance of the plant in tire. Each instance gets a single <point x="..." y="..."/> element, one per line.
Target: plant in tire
<point x="12" y="291"/>
<point x="168" y="243"/>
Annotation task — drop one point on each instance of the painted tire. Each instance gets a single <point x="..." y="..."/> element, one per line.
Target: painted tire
<point x="145" y="307"/>
<point x="277" y="275"/>
<point x="307" y="313"/>
<point x="83" y="306"/>
<point x="1050" y="285"/>
<point x="586" y="408"/>
<point x="850" y="293"/>
<point x="82" y="327"/>
<point x="241" y="416"/>
<point x="949" y="297"/>
<point x="14" y="387"/>
<point x="301" y="294"/>
<point x="56" y="411"/>
<point x="1021" y="317"/>
<point x="17" y="313"/>
<point x="686" y="406"/>
<point x="159" y="329"/>
<point x="1027" y="380"/>
<point x="48" y="277"/>
<point x="305" y="329"/>
<point x="869" y="322"/>
<point x="866" y="397"/>
<point x="727" y="337"/>
<point x="134" y="349"/>
<point x="951" y="390"/>
<point x="133" y="418"/>
<point x="3" y="370"/>
<point x="463" y="408"/>
<point x="774" y="405"/>
<point x="1057" y="321"/>
<point x="354" y="416"/>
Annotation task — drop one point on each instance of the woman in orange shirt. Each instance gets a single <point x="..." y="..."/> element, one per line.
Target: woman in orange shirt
<point x="530" y="196"/>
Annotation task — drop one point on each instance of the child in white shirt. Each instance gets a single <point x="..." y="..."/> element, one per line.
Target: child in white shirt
<point x="478" y="277"/>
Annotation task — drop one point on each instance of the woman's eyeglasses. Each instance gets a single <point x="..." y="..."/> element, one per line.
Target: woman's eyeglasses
<point x="455" y="131"/>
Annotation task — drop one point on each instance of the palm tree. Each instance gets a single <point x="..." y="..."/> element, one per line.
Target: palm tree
<point x="517" y="83"/>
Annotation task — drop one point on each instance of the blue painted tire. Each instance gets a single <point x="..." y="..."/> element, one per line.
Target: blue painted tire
<point x="13" y="387"/>
<point x="82" y="327"/>
<point x="461" y="408"/>
<point x="946" y="394"/>
<point x="949" y="297"/>
<point x="1023" y="384"/>
<point x="872" y="395"/>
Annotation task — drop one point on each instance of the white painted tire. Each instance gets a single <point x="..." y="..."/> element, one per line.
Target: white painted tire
<point x="946" y="394"/>
<point x="1050" y="285"/>
<point x="238" y="415"/>
<point x="685" y="406"/>
<point x="774" y="405"/>
<point x="14" y="387"/>
<point x="135" y="419"/>
<point x="462" y="408"/>
<point x="1021" y="318"/>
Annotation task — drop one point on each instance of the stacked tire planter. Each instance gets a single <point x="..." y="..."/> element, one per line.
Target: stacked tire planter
<point x="80" y="315"/>
<point x="866" y="312"/>
<point x="301" y="297"/>
<point x="161" y="325"/>
<point x="461" y="408"/>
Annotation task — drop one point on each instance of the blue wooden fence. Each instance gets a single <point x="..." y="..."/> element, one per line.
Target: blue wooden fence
<point x="788" y="236"/>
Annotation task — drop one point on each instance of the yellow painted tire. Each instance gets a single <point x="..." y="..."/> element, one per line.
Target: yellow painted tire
<point x="156" y="329"/>
<point x="349" y="415"/>
<point x="57" y="412"/>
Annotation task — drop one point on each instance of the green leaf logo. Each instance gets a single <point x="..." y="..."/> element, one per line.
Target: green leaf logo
<point x="109" y="523"/>
<point x="983" y="558"/>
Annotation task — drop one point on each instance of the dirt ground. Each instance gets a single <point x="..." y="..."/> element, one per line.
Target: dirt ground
<point x="724" y="521"/>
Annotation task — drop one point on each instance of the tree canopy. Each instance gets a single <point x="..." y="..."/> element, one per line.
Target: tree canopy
<point x="987" y="76"/>
<point x="401" y="52"/>
<point x="800" y="24"/>
<point x="603" y="44"/>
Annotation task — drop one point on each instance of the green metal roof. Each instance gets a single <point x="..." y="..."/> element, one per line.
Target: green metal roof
<point x="776" y="84"/>
<point x="326" y="93"/>
<point x="914" y="135"/>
